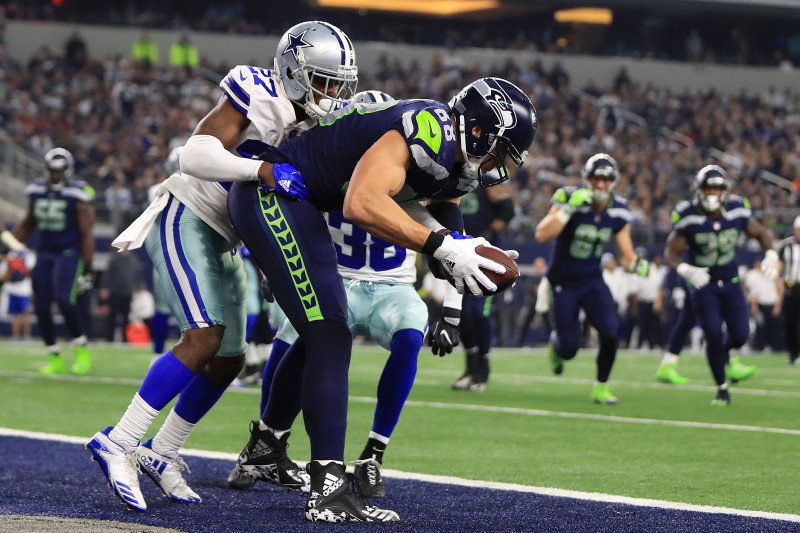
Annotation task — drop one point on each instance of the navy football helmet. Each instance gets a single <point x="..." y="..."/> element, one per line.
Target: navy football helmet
<point x="60" y="166"/>
<point x="600" y="166"/>
<point x="507" y="120"/>
<point x="711" y="176"/>
<point x="313" y="57"/>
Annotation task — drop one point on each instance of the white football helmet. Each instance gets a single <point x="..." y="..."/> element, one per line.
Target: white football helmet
<point x="711" y="176"/>
<point x="60" y="166"/>
<point x="311" y="58"/>
<point x="371" y="97"/>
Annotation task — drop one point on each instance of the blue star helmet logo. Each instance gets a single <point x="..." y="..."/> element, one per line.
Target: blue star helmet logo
<point x="296" y="42"/>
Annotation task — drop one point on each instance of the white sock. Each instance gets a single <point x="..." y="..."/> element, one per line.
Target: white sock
<point x="172" y="435"/>
<point x="251" y="355"/>
<point x="378" y="437"/>
<point x="134" y="423"/>
<point x="669" y="359"/>
<point x="53" y="349"/>
<point x="80" y="341"/>
<point x="277" y="432"/>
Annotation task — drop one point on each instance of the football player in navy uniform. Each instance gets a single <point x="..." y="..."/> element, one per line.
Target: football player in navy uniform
<point x="709" y="227"/>
<point x="381" y="304"/>
<point x="60" y="210"/>
<point x="365" y="160"/>
<point x="685" y="321"/>
<point x="582" y="221"/>
<point x="486" y="213"/>
<point x="190" y="238"/>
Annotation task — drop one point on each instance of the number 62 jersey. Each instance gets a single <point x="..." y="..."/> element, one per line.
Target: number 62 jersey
<point x="712" y="241"/>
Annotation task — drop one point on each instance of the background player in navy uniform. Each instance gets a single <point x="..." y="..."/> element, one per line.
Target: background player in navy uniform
<point x="582" y="221"/>
<point x="60" y="209"/>
<point x="685" y="321"/>
<point x="365" y="160"/>
<point x="486" y="213"/>
<point x="709" y="227"/>
<point x="190" y="238"/>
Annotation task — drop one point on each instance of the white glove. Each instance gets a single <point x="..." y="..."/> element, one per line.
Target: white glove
<point x="459" y="259"/>
<point x="769" y="265"/>
<point x="697" y="276"/>
<point x="542" y="297"/>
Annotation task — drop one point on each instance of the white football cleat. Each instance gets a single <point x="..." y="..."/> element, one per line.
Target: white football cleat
<point x="166" y="472"/>
<point x="118" y="462"/>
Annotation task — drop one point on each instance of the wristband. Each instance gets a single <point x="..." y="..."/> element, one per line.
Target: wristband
<point x="432" y="243"/>
<point x="563" y="215"/>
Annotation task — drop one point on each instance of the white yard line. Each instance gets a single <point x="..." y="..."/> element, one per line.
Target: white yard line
<point x="463" y="406"/>
<point x="448" y="480"/>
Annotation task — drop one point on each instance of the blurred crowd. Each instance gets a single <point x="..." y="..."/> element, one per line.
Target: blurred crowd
<point x="120" y="117"/>
<point x="717" y="37"/>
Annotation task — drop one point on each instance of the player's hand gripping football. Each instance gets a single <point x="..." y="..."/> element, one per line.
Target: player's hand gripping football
<point x="443" y="336"/>
<point x="697" y="276"/>
<point x="462" y="262"/>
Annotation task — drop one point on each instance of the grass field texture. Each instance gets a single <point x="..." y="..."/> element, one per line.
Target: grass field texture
<point x="529" y="427"/>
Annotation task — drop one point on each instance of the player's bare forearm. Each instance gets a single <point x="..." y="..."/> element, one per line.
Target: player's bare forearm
<point x="759" y="232"/>
<point x="627" y="257"/>
<point x="550" y="226"/>
<point x="23" y="230"/>
<point x="384" y="218"/>
<point x="85" y="224"/>
<point x="676" y="244"/>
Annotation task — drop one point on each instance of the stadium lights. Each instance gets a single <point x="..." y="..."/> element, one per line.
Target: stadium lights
<point x="427" y="7"/>
<point x="585" y="15"/>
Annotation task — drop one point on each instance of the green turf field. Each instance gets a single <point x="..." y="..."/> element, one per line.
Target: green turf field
<point x="528" y="427"/>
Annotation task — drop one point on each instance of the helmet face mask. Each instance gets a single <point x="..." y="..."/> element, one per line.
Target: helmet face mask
<point x="317" y="65"/>
<point x="60" y="166"/>
<point x="600" y="167"/>
<point x="506" y="126"/>
<point x="711" y="188"/>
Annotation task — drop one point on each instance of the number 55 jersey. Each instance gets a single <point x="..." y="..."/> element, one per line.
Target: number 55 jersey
<point x="712" y="241"/>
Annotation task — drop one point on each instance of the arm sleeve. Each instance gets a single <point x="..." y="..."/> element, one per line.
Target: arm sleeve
<point x="204" y="157"/>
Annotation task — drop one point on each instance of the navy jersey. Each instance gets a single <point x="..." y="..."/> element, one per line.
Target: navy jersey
<point x="576" y="253"/>
<point x="477" y="212"/>
<point x="327" y="154"/>
<point x="712" y="241"/>
<point x="56" y="213"/>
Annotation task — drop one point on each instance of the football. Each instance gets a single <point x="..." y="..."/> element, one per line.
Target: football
<point x="503" y="281"/>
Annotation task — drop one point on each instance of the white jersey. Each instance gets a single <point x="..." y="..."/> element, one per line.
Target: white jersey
<point x="258" y="94"/>
<point x="366" y="258"/>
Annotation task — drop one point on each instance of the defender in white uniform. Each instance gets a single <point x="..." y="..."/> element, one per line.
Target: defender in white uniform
<point x="190" y="238"/>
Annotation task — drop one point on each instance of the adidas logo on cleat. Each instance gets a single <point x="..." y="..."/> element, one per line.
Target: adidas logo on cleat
<point x="260" y="450"/>
<point x="331" y="484"/>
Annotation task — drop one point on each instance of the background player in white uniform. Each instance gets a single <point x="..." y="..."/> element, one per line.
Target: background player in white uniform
<point x="383" y="305"/>
<point x="192" y="243"/>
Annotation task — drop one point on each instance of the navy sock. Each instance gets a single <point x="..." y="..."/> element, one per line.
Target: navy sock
<point x="325" y="386"/>
<point x="279" y="349"/>
<point x="374" y="448"/>
<point x="605" y="356"/>
<point x="166" y="379"/>
<point x="197" y="398"/>
<point x="159" y="328"/>
<point x="396" y="380"/>
<point x="251" y="323"/>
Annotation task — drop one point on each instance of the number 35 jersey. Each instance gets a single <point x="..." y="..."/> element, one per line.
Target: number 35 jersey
<point x="327" y="155"/>
<point x="366" y="258"/>
<point x="712" y="241"/>
<point x="577" y="249"/>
